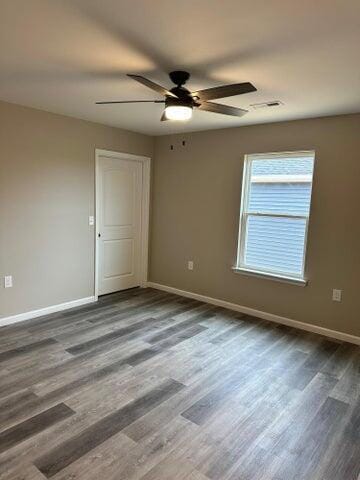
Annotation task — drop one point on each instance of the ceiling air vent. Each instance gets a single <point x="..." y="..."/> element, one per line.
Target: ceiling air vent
<point x="272" y="103"/>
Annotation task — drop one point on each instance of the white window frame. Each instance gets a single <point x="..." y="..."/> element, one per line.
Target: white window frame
<point x="241" y="266"/>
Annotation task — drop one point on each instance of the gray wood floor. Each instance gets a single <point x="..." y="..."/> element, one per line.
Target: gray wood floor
<point x="148" y="385"/>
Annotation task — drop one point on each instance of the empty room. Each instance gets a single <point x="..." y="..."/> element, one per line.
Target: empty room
<point x="179" y="240"/>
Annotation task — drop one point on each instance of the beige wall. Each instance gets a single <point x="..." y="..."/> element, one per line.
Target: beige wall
<point x="46" y="196"/>
<point x="195" y="211"/>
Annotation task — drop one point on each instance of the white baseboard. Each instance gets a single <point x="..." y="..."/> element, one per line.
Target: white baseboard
<point x="20" y="317"/>
<point x="258" y="313"/>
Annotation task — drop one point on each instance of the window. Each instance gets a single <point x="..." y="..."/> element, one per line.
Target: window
<point x="274" y="215"/>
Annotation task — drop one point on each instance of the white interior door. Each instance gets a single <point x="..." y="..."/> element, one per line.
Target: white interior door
<point x="119" y="192"/>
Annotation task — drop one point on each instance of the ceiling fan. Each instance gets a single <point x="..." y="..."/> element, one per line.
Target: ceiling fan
<point x="180" y="102"/>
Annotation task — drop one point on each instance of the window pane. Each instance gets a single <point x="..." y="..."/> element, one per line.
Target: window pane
<point x="288" y="198"/>
<point x="281" y="185"/>
<point x="283" y="166"/>
<point x="275" y="244"/>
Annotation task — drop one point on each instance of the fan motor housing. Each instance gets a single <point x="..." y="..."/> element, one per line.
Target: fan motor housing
<point x="179" y="77"/>
<point x="186" y="101"/>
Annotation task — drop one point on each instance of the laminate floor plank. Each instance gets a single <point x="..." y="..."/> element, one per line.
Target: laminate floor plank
<point x="147" y="385"/>
<point x="50" y="438"/>
<point x="138" y="307"/>
<point x="161" y="313"/>
<point x="343" y="457"/>
<point x="200" y="386"/>
<point x="168" y="332"/>
<point x="87" y="368"/>
<point x="348" y="387"/>
<point x="18" y="400"/>
<point x="312" y="444"/>
<point x="54" y="461"/>
<point x="99" y="312"/>
<point x="286" y="432"/>
<point x="112" y="461"/>
<point x="248" y="410"/>
<point x="122" y="332"/>
<point x="69" y="366"/>
<point x="101" y="305"/>
<point x="29" y="428"/>
<point x="111" y="393"/>
<point x="34" y="402"/>
<point x="26" y="349"/>
<point x="89" y="330"/>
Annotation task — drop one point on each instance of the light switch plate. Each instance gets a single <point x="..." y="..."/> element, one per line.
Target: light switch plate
<point x="8" y="283"/>
<point x="190" y="265"/>
<point x="91" y="220"/>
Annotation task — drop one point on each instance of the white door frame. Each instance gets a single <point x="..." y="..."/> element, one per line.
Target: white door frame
<point x="145" y="211"/>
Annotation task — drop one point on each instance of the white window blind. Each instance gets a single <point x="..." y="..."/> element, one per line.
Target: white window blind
<point x="274" y="214"/>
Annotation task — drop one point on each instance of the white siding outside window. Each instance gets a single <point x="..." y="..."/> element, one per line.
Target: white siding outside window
<point x="274" y="216"/>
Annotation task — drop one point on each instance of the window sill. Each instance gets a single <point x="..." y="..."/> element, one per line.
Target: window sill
<point x="270" y="276"/>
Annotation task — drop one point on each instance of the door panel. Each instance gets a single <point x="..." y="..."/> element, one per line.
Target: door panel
<point x="118" y="257"/>
<point x="119" y="223"/>
<point x="119" y="192"/>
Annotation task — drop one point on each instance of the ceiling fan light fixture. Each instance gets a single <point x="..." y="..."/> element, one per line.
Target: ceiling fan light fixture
<point x="180" y="102"/>
<point x="178" y="112"/>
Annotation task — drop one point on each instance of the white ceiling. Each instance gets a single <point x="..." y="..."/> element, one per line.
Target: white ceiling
<point x="63" y="55"/>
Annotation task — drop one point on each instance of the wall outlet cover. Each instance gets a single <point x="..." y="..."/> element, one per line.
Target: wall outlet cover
<point x="336" y="295"/>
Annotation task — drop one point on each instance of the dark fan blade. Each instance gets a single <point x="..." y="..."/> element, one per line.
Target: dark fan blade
<point x="152" y="85"/>
<point x="224" y="91"/>
<point x="164" y="117"/>
<point x="130" y="101"/>
<point x="224" y="109"/>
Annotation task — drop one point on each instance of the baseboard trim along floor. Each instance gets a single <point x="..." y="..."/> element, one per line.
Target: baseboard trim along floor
<point x="196" y="296"/>
<point x="260" y="314"/>
<point x="20" y="317"/>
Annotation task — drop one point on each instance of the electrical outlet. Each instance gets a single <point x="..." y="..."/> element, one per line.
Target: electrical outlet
<point x="336" y="295"/>
<point x="190" y="265"/>
<point x="91" y="220"/>
<point x="8" y="283"/>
